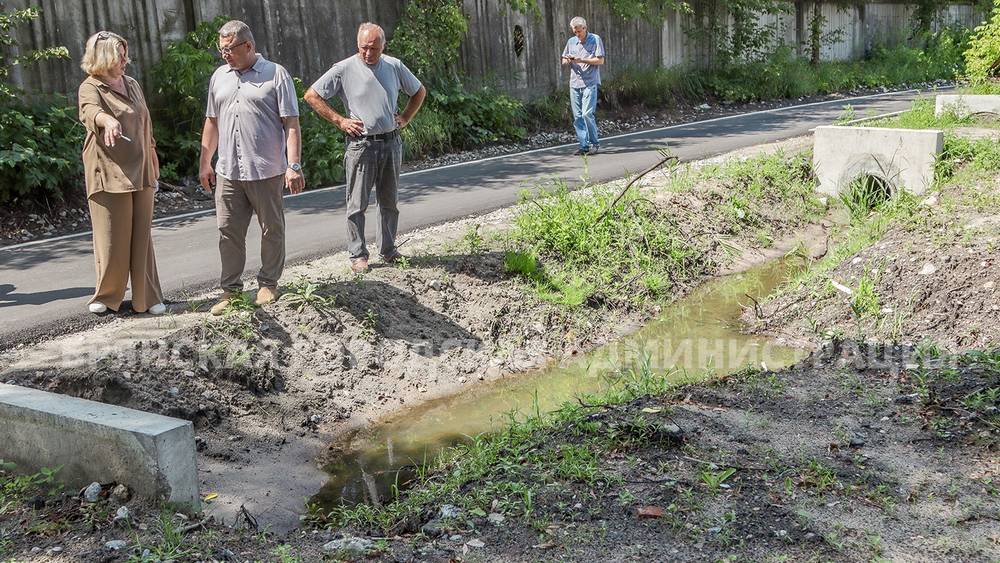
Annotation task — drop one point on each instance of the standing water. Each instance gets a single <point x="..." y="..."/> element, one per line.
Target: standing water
<point x="695" y="338"/>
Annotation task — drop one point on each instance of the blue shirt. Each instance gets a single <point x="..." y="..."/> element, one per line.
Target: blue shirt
<point x="584" y="75"/>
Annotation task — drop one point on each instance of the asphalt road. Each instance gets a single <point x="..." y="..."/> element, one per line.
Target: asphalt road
<point x="44" y="287"/>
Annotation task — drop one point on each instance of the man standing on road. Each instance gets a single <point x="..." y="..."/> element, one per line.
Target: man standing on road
<point x="253" y="120"/>
<point x="369" y="84"/>
<point x="584" y="53"/>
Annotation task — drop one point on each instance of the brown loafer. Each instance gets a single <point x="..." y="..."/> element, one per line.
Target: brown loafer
<point x="359" y="265"/>
<point x="265" y="295"/>
<point x="222" y="304"/>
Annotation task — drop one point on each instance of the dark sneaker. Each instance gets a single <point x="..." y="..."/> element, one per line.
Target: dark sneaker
<point x="594" y="149"/>
<point x="359" y="265"/>
<point x="580" y="152"/>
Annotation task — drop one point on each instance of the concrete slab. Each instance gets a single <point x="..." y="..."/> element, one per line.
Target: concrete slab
<point x="154" y="455"/>
<point x="903" y="158"/>
<point x="964" y="105"/>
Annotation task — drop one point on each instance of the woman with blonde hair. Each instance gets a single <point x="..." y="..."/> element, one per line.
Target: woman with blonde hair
<point x="121" y="169"/>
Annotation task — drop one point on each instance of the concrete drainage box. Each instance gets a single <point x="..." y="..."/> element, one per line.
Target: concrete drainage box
<point x="154" y="455"/>
<point x="902" y="158"/>
<point x="965" y="105"/>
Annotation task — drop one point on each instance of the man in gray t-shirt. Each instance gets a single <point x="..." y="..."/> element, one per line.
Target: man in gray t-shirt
<point x="369" y="84"/>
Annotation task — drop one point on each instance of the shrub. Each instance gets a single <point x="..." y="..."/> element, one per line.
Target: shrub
<point x="39" y="144"/>
<point x="39" y="151"/>
<point x="984" y="47"/>
<point x="322" y="145"/>
<point x="180" y="90"/>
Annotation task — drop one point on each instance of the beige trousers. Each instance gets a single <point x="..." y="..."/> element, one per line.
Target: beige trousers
<point x="123" y="248"/>
<point x="235" y="202"/>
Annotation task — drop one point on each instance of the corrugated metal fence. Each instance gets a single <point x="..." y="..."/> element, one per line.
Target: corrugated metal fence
<point x="517" y="52"/>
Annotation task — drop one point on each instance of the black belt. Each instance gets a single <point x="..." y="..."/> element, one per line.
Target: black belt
<point x="377" y="137"/>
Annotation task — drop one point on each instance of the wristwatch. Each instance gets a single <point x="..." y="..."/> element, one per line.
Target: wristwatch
<point x="295" y="166"/>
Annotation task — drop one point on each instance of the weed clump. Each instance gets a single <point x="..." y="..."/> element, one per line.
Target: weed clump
<point x="580" y="247"/>
<point x="634" y="252"/>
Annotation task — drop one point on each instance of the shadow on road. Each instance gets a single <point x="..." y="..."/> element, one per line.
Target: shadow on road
<point x="9" y="297"/>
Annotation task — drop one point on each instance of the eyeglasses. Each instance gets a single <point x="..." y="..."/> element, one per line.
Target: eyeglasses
<point x="229" y="50"/>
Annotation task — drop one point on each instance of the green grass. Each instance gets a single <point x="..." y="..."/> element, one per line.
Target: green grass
<point x="304" y="292"/>
<point x="864" y="302"/>
<point x="865" y="195"/>
<point x="505" y="470"/>
<point x="576" y="247"/>
<point x="781" y="74"/>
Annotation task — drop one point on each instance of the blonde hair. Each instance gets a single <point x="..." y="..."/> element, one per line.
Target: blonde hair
<point x="101" y="53"/>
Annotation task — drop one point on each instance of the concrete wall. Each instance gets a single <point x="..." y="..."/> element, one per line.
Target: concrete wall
<point x="309" y="35"/>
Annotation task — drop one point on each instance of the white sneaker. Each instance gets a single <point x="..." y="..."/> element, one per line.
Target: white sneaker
<point x="157" y="309"/>
<point x="97" y="307"/>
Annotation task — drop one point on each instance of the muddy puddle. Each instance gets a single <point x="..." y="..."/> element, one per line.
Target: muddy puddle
<point x="694" y="338"/>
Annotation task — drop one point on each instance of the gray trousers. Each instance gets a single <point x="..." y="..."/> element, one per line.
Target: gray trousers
<point x="235" y="202"/>
<point x="368" y="163"/>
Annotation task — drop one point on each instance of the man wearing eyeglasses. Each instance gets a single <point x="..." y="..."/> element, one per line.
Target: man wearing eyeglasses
<point x="369" y="84"/>
<point x="252" y="120"/>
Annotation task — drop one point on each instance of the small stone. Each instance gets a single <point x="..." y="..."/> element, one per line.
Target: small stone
<point x="115" y="545"/>
<point x="476" y="543"/>
<point x="92" y="492"/>
<point x="928" y="269"/>
<point x="121" y="494"/>
<point x="433" y="529"/>
<point x="56" y="549"/>
<point x="316" y="419"/>
<point x="857" y="441"/>
<point x="349" y="546"/>
<point x="455" y="537"/>
<point x="495" y="518"/>
<point x="174" y="391"/>
<point x="462" y="379"/>
<point x="449" y="511"/>
<point x="930" y="201"/>
<point x="988" y="286"/>
<point x="122" y="516"/>
<point x="187" y="373"/>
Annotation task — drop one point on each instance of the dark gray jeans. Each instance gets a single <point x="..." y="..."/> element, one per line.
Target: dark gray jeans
<point x="368" y="163"/>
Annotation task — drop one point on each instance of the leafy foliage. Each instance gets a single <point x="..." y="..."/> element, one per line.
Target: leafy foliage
<point x="428" y="38"/>
<point x="180" y="89"/>
<point x="984" y="48"/>
<point x="8" y="22"/>
<point x="39" y="145"/>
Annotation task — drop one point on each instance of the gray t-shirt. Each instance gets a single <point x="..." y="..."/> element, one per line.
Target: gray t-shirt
<point x="583" y="75"/>
<point x="249" y="107"/>
<point x="369" y="93"/>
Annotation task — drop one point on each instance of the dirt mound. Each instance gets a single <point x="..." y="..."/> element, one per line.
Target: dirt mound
<point x="932" y="277"/>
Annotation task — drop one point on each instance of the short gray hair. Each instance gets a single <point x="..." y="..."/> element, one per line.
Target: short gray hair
<point x="238" y="29"/>
<point x="577" y="22"/>
<point x="369" y="26"/>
